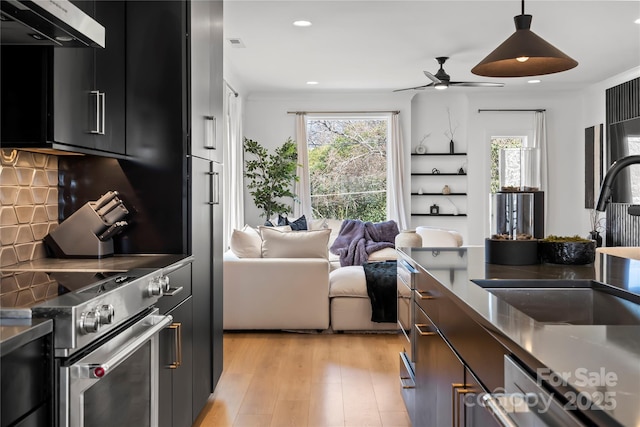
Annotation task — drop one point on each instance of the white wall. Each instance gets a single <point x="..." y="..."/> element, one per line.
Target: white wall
<point x="266" y="119"/>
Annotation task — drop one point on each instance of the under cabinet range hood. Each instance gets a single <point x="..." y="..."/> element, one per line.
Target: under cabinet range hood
<point x="48" y="22"/>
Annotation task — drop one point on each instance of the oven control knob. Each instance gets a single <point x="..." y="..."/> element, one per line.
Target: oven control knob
<point x="89" y="321"/>
<point x="106" y="313"/>
<point x="155" y="287"/>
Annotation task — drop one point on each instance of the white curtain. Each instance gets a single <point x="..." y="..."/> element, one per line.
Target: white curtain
<point x="303" y="187"/>
<point x="540" y="142"/>
<point x="396" y="182"/>
<point x="233" y="217"/>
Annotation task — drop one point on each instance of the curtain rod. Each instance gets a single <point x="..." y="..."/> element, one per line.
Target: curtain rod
<point x="231" y="88"/>
<point x="537" y="110"/>
<point x="341" y="112"/>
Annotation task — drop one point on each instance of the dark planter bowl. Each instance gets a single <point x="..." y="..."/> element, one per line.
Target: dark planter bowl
<point x="572" y="253"/>
<point x="511" y="252"/>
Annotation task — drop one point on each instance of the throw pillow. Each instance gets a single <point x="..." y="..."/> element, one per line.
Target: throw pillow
<point x="317" y="224"/>
<point x="246" y="243"/>
<point x="308" y="244"/>
<point x="296" y="225"/>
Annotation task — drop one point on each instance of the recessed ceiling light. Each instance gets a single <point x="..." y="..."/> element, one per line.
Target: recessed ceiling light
<point x="302" y="23"/>
<point x="534" y="81"/>
<point x="637" y="21"/>
<point x="312" y="83"/>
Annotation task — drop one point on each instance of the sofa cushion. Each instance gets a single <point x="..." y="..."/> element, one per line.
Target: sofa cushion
<point x="294" y="244"/>
<point x="348" y="281"/>
<point x="383" y="255"/>
<point x="246" y="243"/>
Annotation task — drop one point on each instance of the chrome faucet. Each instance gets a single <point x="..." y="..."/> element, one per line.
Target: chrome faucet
<point x="610" y="176"/>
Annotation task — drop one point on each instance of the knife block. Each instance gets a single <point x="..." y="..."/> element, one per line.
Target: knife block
<point x="77" y="236"/>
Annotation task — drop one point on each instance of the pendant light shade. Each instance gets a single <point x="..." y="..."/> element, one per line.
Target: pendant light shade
<point x="524" y="54"/>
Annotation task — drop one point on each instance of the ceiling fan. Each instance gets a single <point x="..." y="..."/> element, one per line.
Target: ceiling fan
<point x="442" y="80"/>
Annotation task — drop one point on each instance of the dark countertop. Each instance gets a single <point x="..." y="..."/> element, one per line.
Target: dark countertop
<point x="574" y="350"/>
<point x="15" y="333"/>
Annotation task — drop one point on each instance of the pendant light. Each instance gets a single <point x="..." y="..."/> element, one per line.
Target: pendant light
<point x="524" y="54"/>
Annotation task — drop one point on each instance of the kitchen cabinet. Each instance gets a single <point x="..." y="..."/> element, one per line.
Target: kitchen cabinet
<point x="206" y="157"/>
<point x="71" y="99"/>
<point x="26" y="395"/>
<point x="206" y="79"/>
<point x="176" y="368"/>
<point x="447" y="392"/>
<point x="168" y="97"/>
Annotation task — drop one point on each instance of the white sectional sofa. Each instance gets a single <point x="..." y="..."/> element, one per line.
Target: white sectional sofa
<point x="290" y="281"/>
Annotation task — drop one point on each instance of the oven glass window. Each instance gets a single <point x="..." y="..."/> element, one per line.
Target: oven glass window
<point x="122" y="398"/>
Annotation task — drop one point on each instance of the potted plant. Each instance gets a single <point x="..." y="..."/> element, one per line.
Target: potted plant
<point x="573" y="250"/>
<point x="271" y="176"/>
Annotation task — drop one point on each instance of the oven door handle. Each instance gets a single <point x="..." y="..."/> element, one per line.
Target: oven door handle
<point x="153" y="324"/>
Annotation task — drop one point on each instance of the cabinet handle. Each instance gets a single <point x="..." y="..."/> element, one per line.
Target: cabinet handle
<point x="497" y="411"/>
<point x="100" y="112"/>
<point x="424" y="295"/>
<point x="210" y="138"/>
<point x="422" y="333"/>
<point x="173" y="291"/>
<point x="215" y="188"/>
<point x="407" y="383"/>
<point x="458" y="390"/>
<point x="177" y="327"/>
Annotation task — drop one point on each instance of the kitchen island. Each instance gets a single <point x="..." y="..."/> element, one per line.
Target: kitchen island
<point x="589" y="364"/>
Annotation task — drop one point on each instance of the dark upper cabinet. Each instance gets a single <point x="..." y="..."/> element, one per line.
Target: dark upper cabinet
<point x="71" y="99"/>
<point x="206" y="79"/>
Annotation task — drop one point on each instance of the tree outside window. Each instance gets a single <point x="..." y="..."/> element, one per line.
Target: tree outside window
<point x="348" y="168"/>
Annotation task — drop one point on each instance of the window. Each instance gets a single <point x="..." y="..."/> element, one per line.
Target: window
<point x="348" y="167"/>
<point x="508" y="165"/>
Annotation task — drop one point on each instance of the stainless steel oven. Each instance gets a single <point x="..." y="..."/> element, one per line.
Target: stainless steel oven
<point x="105" y="334"/>
<point x="117" y="383"/>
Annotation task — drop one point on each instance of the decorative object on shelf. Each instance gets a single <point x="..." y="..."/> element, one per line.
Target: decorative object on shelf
<point x="408" y="239"/>
<point x="596" y="227"/>
<point x="449" y="134"/>
<point x="446" y="189"/>
<point x="420" y="190"/>
<point x="523" y="54"/>
<point x="595" y="236"/>
<point x="455" y="208"/>
<point x="461" y="171"/>
<point x="421" y="148"/>
<point x="571" y="250"/>
<point x="435" y="171"/>
<point x="434" y="209"/>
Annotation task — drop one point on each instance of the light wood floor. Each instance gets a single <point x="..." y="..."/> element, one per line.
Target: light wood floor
<point x="297" y="380"/>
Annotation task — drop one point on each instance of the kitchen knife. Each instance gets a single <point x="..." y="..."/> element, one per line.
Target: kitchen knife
<point x="114" y="229"/>
<point x="104" y="199"/>
<point x="115" y="214"/>
<point x="109" y="206"/>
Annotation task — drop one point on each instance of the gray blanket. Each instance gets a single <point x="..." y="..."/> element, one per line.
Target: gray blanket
<point x="357" y="239"/>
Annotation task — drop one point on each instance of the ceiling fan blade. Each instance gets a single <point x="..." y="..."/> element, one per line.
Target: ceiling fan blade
<point x="433" y="78"/>
<point x="476" y="84"/>
<point x="415" y="88"/>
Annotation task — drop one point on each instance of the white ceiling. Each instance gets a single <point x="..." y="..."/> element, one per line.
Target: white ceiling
<point x="375" y="45"/>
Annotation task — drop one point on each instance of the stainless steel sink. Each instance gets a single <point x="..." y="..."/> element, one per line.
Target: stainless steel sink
<point x="573" y="302"/>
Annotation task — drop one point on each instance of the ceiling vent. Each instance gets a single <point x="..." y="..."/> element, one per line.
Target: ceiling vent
<point x="236" y="43"/>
